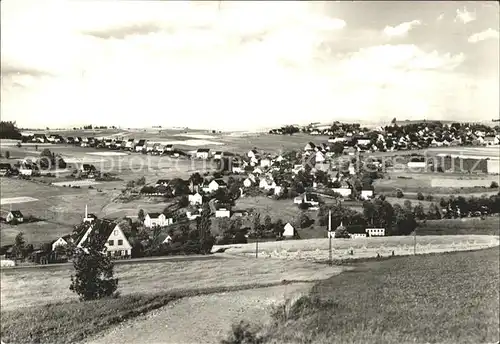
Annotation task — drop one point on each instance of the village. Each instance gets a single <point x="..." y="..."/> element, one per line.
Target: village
<point x="338" y="173"/>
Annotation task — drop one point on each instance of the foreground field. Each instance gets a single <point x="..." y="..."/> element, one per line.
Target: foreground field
<point x="317" y="249"/>
<point x="445" y="298"/>
<point x="26" y="288"/>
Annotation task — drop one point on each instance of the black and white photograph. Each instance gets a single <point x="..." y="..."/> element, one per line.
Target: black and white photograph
<point x="249" y="172"/>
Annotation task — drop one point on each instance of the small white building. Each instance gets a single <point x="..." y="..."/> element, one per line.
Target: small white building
<point x="222" y="212"/>
<point x="215" y="184"/>
<point x="247" y="182"/>
<point x="117" y="244"/>
<point x="252" y="153"/>
<point x="202" y="153"/>
<point x="289" y="231"/>
<point x="167" y="240"/>
<point x="156" y="219"/>
<point x="265" y="163"/>
<point x="195" y="199"/>
<point x="366" y="194"/>
<point x="375" y="231"/>
<point x="344" y="192"/>
<point x="320" y="157"/>
<point x="62" y="241"/>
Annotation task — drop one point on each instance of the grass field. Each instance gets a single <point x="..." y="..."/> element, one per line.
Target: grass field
<point x="489" y="226"/>
<point x="27" y="288"/>
<point x="442" y="298"/>
<point x="317" y="249"/>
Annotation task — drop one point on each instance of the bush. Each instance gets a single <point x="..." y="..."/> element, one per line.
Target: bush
<point x="243" y="333"/>
<point x="420" y="196"/>
<point x="399" y="193"/>
<point x="494" y="185"/>
<point x="429" y="198"/>
<point x="7" y="155"/>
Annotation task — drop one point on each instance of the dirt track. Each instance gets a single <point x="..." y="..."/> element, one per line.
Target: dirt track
<point x="201" y="319"/>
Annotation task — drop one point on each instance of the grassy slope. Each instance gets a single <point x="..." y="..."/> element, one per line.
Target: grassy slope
<point x="445" y="298"/>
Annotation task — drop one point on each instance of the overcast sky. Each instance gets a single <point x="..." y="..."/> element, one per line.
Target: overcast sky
<point x="244" y="65"/>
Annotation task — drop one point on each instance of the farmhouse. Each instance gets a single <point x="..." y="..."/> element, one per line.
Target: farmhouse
<point x="320" y="157"/>
<point x="195" y="199"/>
<point x="265" y="162"/>
<point x="117" y="244"/>
<point x="14" y="215"/>
<point x="169" y="148"/>
<point x="156" y="220"/>
<point x="62" y="241"/>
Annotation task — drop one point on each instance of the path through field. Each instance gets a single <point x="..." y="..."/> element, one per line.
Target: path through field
<point x="202" y="319"/>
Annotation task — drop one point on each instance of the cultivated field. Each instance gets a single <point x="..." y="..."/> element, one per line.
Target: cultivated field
<point x="29" y="287"/>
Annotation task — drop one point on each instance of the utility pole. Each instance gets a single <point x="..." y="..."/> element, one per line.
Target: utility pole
<point x="330" y="237"/>
<point x="257" y="247"/>
<point x="415" y="242"/>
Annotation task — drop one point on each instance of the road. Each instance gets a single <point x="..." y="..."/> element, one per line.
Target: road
<point x="144" y="260"/>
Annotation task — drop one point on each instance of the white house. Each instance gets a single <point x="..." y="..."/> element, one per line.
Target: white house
<point x="320" y="157"/>
<point x="62" y="241"/>
<point x="222" y="212"/>
<point x="366" y="194"/>
<point x="309" y="146"/>
<point x="358" y="235"/>
<point x="218" y="155"/>
<point x="167" y="240"/>
<point x="344" y="192"/>
<point x="375" y="231"/>
<point x="265" y="162"/>
<point x="156" y="219"/>
<point x="215" y="184"/>
<point x="289" y="231"/>
<point x="116" y="245"/>
<point x="202" y="153"/>
<point x="14" y="214"/>
<point x="416" y="164"/>
<point x="195" y="199"/>
<point x="252" y="153"/>
<point x="238" y="169"/>
<point x="247" y="182"/>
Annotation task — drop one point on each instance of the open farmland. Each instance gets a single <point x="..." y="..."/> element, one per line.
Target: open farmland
<point x="317" y="249"/>
<point x="29" y="287"/>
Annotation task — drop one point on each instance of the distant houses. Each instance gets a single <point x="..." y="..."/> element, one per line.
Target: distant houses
<point x="14" y="216"/>
<point x="202" y="153"/>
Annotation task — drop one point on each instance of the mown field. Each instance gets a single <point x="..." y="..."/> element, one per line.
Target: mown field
<point x="318" y="249"/>
<point x="442" y="298"/>
<point x="38" y="286"/>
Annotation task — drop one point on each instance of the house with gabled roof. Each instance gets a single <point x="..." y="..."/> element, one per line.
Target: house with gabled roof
<point x="14" y="215"/>
<point x="202" y="153"/>
<point x="62" y="241"/>
<point x="216" y="184"/>
<point x="117" y="244"/>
